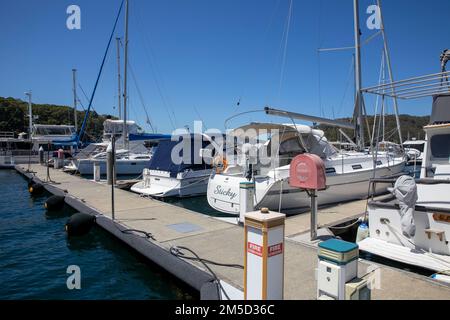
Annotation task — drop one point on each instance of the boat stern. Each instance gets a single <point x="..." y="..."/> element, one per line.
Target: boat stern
<point x="223" y="192"/>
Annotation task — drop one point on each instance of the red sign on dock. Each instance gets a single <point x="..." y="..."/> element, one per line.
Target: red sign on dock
<point x="254" y="248"/>
<point x="276" y="249"/>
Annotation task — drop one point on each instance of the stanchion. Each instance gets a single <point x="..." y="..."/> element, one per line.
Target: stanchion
<point x="97" y="171"/>
<point x="112" y="164"/>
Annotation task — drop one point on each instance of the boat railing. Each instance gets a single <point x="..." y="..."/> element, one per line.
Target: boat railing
<point x="393" y="178"/>
<point x="414" y="88"/>
<point x="418" y="208"/>
<point x="7" y="134"/>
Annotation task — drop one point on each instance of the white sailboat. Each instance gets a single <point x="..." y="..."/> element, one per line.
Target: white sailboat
<point x="132" y="156"/>
<point x="414" y="150"/>
<point x="348" y="172"/>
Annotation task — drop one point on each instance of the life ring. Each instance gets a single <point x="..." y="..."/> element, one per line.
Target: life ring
<point x="220" y="163"/>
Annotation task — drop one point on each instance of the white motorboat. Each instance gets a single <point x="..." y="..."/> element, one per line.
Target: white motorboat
<point x="167" y="177"/>
<point x="348" y="173"/>
<point x="414" y="150"/>
<point x="127" y="163"/>
<point x="44" y="134"/>
<point x="134" y="147"/>
<point x="131" y="158"/>
<point x="130" y="161"/>
<point x="390" y="226"/>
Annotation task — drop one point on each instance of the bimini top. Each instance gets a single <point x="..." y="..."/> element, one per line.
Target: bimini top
<point x="116" y="127"/>
<point x="411" y="142"/>
<point x="254" y="129"/>
<point x="311" y="140"/>
<point x="170" y="156"/>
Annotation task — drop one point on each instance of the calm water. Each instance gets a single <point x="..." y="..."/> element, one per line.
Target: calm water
<point x="35" y="253"/>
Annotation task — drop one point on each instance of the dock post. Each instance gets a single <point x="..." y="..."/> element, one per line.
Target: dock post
<point x="314" y="210"/>
<point x="264" y="255"/>
<point x="112" y="165"/>
<point x="41" y="155"/>
<point x="111" y="179"/>
<point x="56" y="163"/>
<point x="96" y="171"/>
<point x="246" y="199"/>
<point x="59" y="160"/>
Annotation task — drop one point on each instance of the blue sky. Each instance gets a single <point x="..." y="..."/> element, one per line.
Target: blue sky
<point x="200" y="57"/>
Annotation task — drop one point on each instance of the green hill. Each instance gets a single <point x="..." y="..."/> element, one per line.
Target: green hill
<point x="14" y="117"/>
<point x="411" y="126"/>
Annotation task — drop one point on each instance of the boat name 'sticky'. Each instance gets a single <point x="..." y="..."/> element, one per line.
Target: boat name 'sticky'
<point x="227" y="193"/>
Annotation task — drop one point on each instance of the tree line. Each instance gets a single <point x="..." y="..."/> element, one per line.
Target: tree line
<point x="14" y="117"/>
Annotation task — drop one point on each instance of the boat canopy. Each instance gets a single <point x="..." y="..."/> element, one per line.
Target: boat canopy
<point x="162" y="158"/>
<point x="292" y="138"/>
<point x="254" y="129"/>
<point x="413" y="142"/>
<point x="115" y="127"/>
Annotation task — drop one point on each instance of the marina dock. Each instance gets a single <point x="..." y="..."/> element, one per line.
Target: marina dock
<point x="152" y="227"/>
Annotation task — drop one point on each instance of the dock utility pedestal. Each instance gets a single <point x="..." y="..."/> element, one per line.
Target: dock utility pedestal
<point x="307" y="171"/>
<point x="337" y="275"/>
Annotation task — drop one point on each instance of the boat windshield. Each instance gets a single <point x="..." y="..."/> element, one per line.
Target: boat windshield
<point x="54" y="130"/>
<point x="440" y="146"/>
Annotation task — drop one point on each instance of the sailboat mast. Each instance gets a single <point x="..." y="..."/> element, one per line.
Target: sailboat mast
<point x="30" y="114"/>
<point x="125" y="76"/>
<point x="74" y="78"/>
<point x="388" y="63"/>
<point x="119" y="96"/>
<point x="359" y="102"/>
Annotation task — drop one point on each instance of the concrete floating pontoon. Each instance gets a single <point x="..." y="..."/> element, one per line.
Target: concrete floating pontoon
<point x="165" y="225"/>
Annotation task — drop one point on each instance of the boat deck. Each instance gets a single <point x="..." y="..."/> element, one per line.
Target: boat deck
<point x="219" y="241"/>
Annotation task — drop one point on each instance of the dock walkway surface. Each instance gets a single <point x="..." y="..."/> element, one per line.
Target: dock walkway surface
<point x="220" y="241"/>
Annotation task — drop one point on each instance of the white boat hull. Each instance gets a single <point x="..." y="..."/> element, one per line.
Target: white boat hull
<point x="162" y="185"/>
<point x="429" y="247"/>
<point x="123" y="166"/>
<point x="223" y="190"/>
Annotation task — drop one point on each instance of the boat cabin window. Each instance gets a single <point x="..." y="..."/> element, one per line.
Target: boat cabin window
<point x="330" y="170"/>
<point x="356" y="166"/>
<point x="440" y="146"/>
<point x="54" y="131"/>
<point x="418" y="146"/>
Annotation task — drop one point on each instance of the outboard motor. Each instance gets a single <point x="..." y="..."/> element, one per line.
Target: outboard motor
<point x="405" y="190"/>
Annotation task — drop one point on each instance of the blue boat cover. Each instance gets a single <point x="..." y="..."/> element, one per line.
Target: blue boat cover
<point x="162" y="157"/>
<point x="148" y="136"/>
